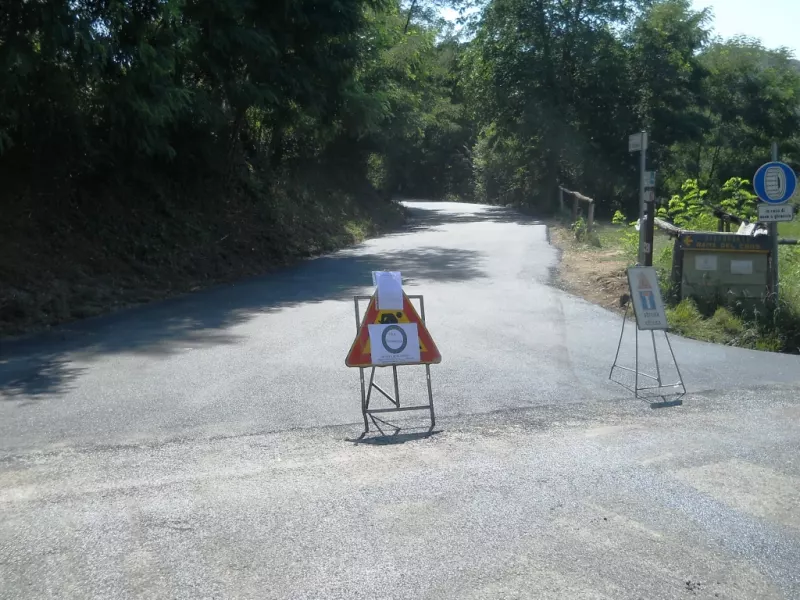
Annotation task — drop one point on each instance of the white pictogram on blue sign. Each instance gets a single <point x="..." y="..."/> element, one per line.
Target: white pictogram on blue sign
<point x="775" y="182"/>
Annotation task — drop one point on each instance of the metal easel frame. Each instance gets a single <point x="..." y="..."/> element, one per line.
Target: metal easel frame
<point x="676" y="397"/>
<point x="366" y="389"/>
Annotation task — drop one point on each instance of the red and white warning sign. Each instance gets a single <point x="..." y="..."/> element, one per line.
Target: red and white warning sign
<point x="391" y="332"/>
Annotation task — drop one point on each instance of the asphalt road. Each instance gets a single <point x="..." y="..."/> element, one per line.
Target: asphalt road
<point x="203" y="447"/>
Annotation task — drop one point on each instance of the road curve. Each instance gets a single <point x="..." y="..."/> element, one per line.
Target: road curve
<point x="206" y="447"/>
<point x="268" y="354"/>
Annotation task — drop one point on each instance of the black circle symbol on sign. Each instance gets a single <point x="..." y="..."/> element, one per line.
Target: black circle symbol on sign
<point x="386" y="344"/>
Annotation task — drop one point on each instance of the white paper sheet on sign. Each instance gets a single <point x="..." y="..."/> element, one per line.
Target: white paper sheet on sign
<point x="705" y="262"/>
<point x="390" y="289"/>
<point x="742" y="267"/>
<point x="394" y="344"/>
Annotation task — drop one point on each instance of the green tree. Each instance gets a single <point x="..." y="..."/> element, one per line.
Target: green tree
<point x="549" y="85"/>
<point x="404" y="107"/>
<point x="753" y="99"/>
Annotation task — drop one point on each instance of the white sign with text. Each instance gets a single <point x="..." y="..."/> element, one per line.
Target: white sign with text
<point x="769" y="213"/>
<point x="394" y="344"/>
<point x="648" y="306"/>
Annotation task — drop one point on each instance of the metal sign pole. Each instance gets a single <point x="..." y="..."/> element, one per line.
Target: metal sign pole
<point x="637" y="142"/>
<point x="642" y="168"/>
<point x="773" y="234"/>
<point x="774" y="183"/>
<point x="649" y="231"/>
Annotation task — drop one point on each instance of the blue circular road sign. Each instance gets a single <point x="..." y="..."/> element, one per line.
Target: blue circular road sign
<point x="775" y="182"/>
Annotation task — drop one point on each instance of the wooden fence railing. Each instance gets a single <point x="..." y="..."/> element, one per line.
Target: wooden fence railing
<point x="673" y="231"/>
<point x="576" y="198"/>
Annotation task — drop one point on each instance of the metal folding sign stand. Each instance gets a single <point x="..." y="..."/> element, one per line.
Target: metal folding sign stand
<point x="655" y="391"/>
<point x="366" y="388"/>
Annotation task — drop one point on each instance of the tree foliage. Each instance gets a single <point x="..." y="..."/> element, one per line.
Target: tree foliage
<point x="529" y="94"/>
<point x="557" y="86"/>
<point x="202" y="82"/>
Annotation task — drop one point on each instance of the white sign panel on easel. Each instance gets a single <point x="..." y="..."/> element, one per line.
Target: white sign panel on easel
<point x="648" y="306"/>
<point x="394" y="344"/>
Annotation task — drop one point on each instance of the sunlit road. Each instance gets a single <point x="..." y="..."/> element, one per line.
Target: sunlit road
<point x="200" y="448"/>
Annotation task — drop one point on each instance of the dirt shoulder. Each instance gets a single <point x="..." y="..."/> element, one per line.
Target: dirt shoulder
<point x="595" y="274"/>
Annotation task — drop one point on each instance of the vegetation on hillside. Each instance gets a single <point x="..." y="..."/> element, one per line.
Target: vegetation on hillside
<point x="152" y="147"/>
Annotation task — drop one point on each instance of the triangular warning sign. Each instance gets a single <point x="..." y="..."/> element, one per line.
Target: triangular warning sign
<point x="360" y="354"/>
<point x="644" y="282"/>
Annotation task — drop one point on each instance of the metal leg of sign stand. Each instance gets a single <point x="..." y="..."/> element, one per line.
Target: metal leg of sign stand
<point x="367" y="387"/>
<point x="660" y="388"/>
<point x="366" y="398"/>
<point x="363" y="399"/>
<point x="430" y="395"/>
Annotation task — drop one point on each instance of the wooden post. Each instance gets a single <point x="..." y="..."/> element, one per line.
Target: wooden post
<point x="677" y="270"/>
<point x="576" y="199"/>
<point x="649" y="232"/>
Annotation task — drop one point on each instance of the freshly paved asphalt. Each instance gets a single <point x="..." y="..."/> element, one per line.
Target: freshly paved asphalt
<point x="202" y="447"/>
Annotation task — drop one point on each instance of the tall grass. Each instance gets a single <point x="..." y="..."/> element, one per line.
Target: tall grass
<point x="774" y="327"/>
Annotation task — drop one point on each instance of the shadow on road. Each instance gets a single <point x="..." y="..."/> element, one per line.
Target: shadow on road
<point x="431" y="216"/>
<point x="37" y="376"/>
<point x="40" y="366"/>
<point x="395" y="438"/>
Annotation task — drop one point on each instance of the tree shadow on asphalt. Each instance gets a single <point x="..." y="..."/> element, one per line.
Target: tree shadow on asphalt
<point x="36" y="377"/>
<point x="433" y="216"/>
<point x="40" y="366"/>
